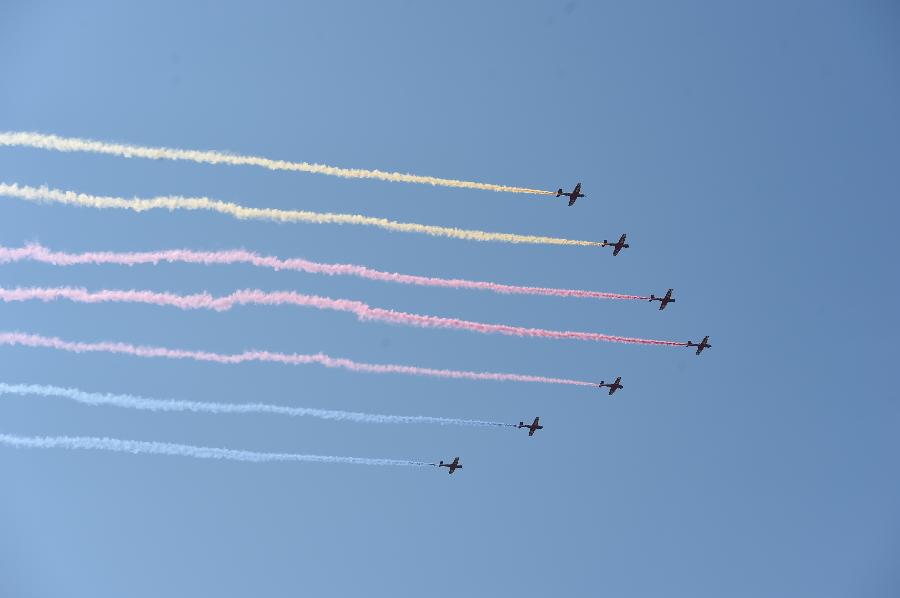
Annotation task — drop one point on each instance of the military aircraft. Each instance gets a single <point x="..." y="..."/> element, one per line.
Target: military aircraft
<point x="533" y="427"/>
<point x="451" y="466"/>
<point x="704" y="344"/>
<point x="613" y="387"/>
<point x="573" y="196"/>
<point x="663" y="301"/>
<point x="619" y="246"/>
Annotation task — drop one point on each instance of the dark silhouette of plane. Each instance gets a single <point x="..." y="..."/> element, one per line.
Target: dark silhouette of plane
<point x="573" y="196"/>
<point x="663" y="301"/>
<point x="619" y="245"/>
<point x="704" y="344"/>
<point x="613" y="387"/>
<point x="451" y="466"/>
<point x="534" y="427"/>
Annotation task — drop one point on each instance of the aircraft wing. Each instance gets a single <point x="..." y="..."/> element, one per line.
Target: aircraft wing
<point x="572" y="200"/>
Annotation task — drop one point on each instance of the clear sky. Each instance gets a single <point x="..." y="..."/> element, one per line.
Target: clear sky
<point x="750" y="151"/>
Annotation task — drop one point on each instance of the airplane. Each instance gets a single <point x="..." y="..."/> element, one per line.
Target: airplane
<point x="704" y="344"/>
<point x="534" y="427"/>
<point x="573" y="196"/>
<point x="619" y="246"/>
<point x="451" y="466"/>
<point x="613" y="387"/>
<point x="663" y="301"/>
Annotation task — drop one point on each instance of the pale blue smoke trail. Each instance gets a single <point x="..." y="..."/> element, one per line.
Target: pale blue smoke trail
<point x="133" y="402"/>
<point x="185" y="450"/>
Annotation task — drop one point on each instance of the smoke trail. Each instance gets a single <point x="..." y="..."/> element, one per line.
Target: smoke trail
<point x="74" y="144"/>
<point x="139" y="447"/>
<point x="174" y="202"/>
<point x="361" y="310"/>
<point x="133" y="402"/>
<point x="35" y="340"/>
<point x="38" y="253"/>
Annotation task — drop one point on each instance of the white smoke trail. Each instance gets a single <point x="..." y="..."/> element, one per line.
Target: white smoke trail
<point x="174" y="202"/>
<point x="74" y="144"/>
<point x="134" y="402"/>
<point x="140" y="447"/>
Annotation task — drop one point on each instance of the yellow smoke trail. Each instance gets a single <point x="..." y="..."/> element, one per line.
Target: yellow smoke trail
<point x="74" y="144"/>
<point x="244" y="213"/>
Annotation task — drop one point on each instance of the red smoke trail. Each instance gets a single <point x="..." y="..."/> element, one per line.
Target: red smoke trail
<point x="238" y="256"/>
<point x="256" y="297"/>
<point x="34" y="340"/>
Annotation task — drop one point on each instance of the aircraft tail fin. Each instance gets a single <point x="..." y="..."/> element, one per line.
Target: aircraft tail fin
<point x="559" y="192"/>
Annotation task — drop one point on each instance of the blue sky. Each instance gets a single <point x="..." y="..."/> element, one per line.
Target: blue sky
<point x="748" y="149"/>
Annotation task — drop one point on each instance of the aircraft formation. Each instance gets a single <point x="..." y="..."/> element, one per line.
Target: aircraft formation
<point x="363" y="311"/>
<point x="616" y="385"/>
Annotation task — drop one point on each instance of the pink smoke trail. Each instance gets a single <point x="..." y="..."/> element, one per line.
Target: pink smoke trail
<point x="35" y="340"/>
<point x="362" y="310"/>
<point x="39" y="253"/>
